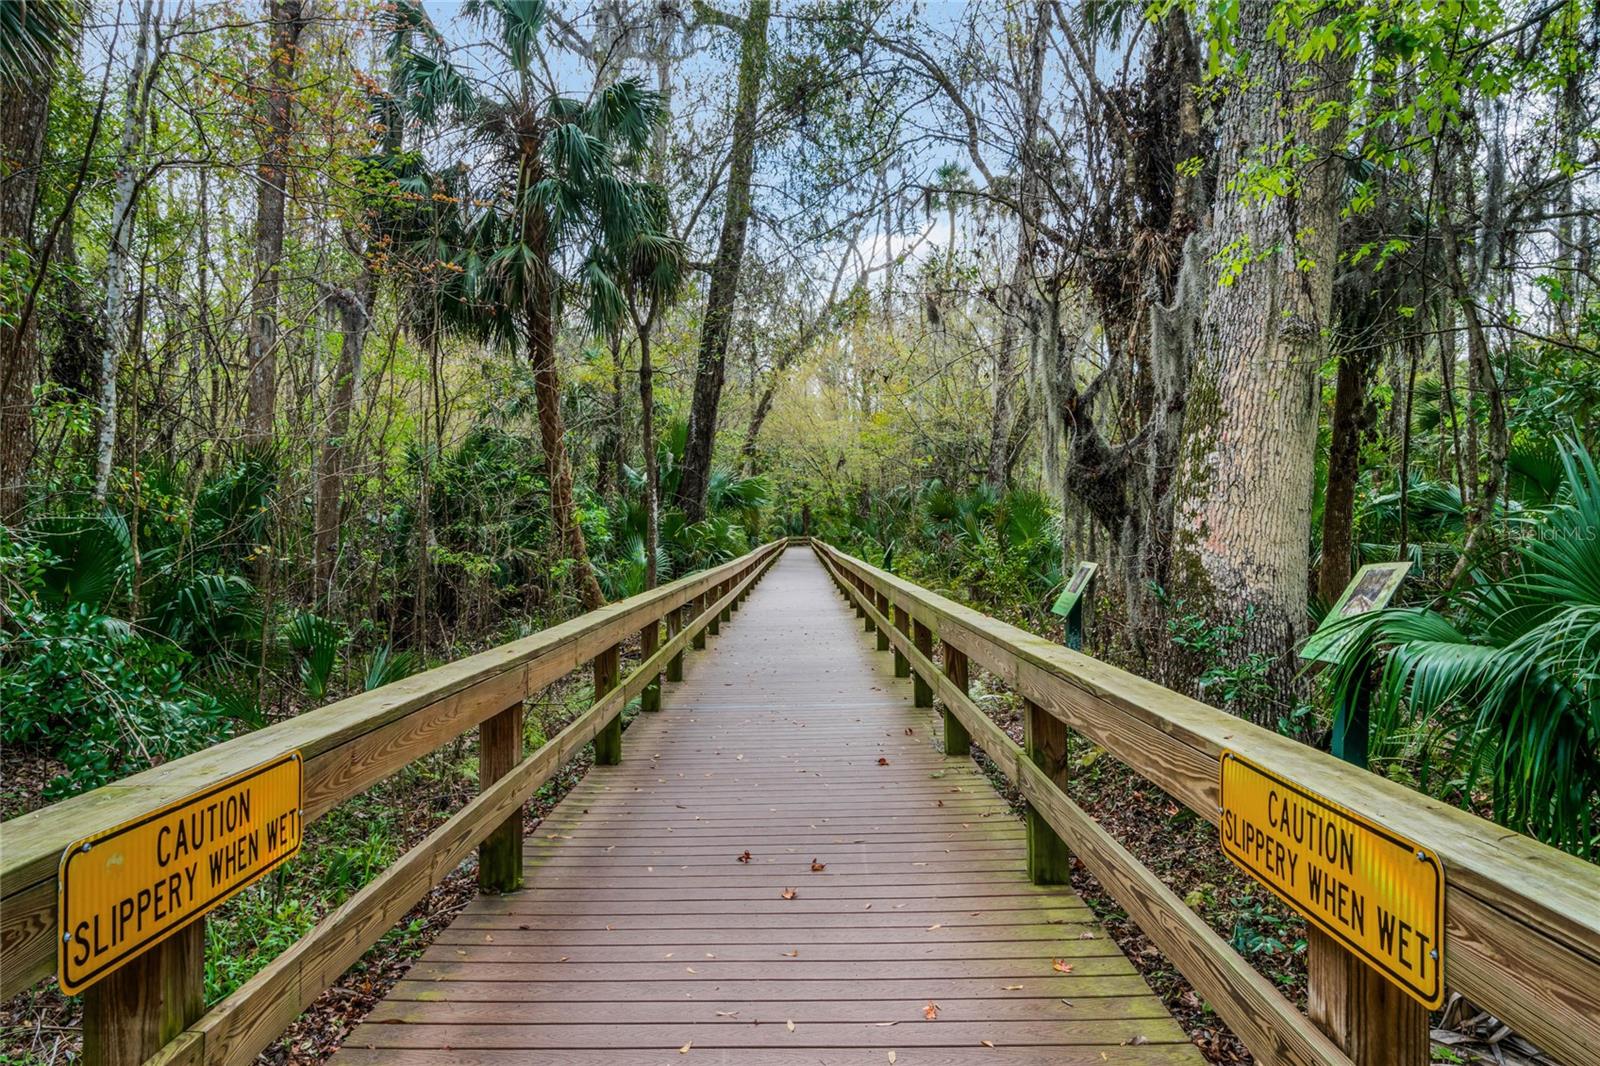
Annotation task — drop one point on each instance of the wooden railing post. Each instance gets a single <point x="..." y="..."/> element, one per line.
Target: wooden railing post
<point x="957" y="741"/>
<point x="883" y="609"/>
<point x="674" y="627"/>
<point x="861" y="583"/>
<point x="1366" y="1014"/>
<point x="649" y="644"/>
<point x="1045" y="742"/>
<point x="902" y="622"/>
<point x="727" y="609"/>
<point x="134" y="1011"/>
<point x="713" y="594"/>
<point x="696" y="609"/>
<point x="499" y="751"/>
<point x="607" y="672"/>
<point x="922" y="688"/>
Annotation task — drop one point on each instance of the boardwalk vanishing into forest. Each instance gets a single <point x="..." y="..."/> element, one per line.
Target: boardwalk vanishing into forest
<point x="786" y="858"/>
<point x="784" y="869"/>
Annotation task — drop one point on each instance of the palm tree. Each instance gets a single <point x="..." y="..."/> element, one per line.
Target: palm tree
<point x="558" y="191"/>
<point x="1510" y="667"/>
<point x="651" y="268"/>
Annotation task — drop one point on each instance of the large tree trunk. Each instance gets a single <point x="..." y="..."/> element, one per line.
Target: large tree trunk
<point x="355" y="315"/>
<point x="118" y="253"/>
<point x="1242" y="550"/>
<point x="24" y="113"/>
<point x="712" y="365"/>
<point x="272" y="177"/>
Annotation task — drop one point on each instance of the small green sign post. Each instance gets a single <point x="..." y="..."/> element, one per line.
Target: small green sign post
<point x="1074" y="600"/>
<point x="1370" y="590"/>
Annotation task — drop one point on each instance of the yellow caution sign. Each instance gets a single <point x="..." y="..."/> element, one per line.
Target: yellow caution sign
<point x="128" y="888"/>
<point x="1377" y="893"/>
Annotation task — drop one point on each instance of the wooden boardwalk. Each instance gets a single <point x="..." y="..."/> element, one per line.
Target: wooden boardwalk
<point x="883" y="884"/>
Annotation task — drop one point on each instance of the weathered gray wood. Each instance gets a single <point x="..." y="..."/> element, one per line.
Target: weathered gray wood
<point x="698" y="606"/>
<point x="649" y="641"/>
<point x="902" y="622"/>
<point x="1366" y="1015"/>
<point x="1257" y="1013"/>
<point x="957" y="741"/>
<point x="347" y="746"/>
<point x="1045" y="743"/>
<point x="1524" y="918"/>
<point x="234" y="1031"/>
<point x="135" y="1010"/>
<point x="674" y="671"/>
<point x="608" y="742"/>
<point x="922" y="689"/>
<point x="640" y="919"/>
<point x="499" y="752"/>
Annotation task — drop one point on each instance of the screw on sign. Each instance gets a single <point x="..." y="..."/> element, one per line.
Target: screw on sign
<point x="128" y="888"/>
<point x="1379" y="894"/>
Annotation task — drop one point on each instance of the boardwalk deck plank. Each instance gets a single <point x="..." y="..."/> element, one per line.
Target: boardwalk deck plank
<point x="640" y="932"/>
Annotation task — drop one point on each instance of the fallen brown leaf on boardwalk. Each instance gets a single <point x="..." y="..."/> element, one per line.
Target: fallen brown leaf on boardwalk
<point x="684" y="1050"/>
<point x="1137" y="1040"/>
<point x="1061" y="966"/>
<point x="910" y="732"/>
<point x="790" y="893"/>
<point x="891" y="1057"/>
<point x="882" y="761"/>
<point x="795" y="954"/>
<point x="935" y="925"/>
<point x="745" y="856"/>
<point x="988" y="1043"/>
<point x="1009" y="988"/>
<point x="818" y="867"/>
<point x="789" y="1025"/>
<point x="931" y="1010"/>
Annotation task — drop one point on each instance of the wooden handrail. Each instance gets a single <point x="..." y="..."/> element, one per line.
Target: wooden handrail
<point x="348" y="746"/>
<point x="1522" y="918"/>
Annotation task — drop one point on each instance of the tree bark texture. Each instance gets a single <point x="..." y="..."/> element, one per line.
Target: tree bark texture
<point x="355" y="315"/>
<point x="539" y="320"/>
<point x="272" y="177"/>
<point x="1247" y="463"/>
<point x="24" y="114"/>
<point x="1020" y="302"/>
<point x="119" y="252"/>
<point x="711" y="367"/>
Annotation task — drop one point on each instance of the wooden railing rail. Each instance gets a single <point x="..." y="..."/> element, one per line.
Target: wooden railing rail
<point x="347" y="747"/>
<point x="1522" y="919"/>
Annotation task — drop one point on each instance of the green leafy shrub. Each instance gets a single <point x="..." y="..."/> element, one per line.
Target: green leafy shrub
<point x="1508" y="669"/>
<point x="108" y="699"/>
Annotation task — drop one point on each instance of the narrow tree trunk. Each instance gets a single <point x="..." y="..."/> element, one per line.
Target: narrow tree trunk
<point x="1344" y="469"/>
<point x="652" y="474"/>
<point x="355" y="314"/>
<point x="711" y="368"/>
<point x="24" y="115"/>
<point x="271" y="180"/>
<point x="539" y="319"/>
<point x="1249" y="442"/>
<point x="117" y="254"/>
<point x="1019" y="305"/>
